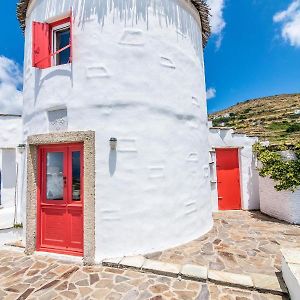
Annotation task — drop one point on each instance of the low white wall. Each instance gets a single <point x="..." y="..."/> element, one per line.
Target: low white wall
<point x="283" y="205"/>
<point x="291" y="271"/>
<point x="10" y="235"/>
<point x="10" y="131"/>
<point x="10" y="138"/>
<point x="227" y="138"/>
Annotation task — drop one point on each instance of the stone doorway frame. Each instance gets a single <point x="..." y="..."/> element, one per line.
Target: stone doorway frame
<point x="88" y="140"/>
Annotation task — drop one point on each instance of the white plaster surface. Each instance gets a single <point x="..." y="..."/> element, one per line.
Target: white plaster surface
<point x="227" y="138"/>
<point x="10" y="235"/>
<point x="283" y="205"/>
<point x="291" y="275"/>
<point x="137" y="75"/>
<point x="10" y="138"/>
<point x="11" y="132"/>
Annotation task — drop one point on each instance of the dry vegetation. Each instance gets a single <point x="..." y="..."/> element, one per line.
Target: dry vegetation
<point x="273" y="118"/>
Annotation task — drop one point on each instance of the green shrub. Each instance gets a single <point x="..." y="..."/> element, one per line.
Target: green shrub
<point x="18" y="225"/>
<point x="247" y="110"/>
<point x="218" y="121"/>
<point x="278" y="126"/>
<point x="286" y="173"/>
<point x="293" y="127"/>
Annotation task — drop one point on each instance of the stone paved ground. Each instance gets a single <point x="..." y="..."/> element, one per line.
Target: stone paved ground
<point x="240" y="242"/>
<point x="43" y="278"/>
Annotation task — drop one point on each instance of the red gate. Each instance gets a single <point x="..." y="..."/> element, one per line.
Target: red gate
<point x="228" y="177"/>
<point x="60" y="199"/>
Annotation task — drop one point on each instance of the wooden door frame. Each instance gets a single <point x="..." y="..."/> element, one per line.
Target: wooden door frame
<point x="240" y="171"/>
<point x="41" y="184"/>
<point x="88" y="140"/>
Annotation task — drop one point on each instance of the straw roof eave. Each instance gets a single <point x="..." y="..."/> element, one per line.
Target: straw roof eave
<point x="200" y="5"/>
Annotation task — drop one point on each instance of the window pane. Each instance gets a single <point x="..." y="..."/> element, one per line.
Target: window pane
<point x="63" y="40"/>
<point x="76" y="175"/>
<point x="55" y="180"/>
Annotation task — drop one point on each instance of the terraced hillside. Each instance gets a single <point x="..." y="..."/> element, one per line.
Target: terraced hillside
<point x="274" y="118"/>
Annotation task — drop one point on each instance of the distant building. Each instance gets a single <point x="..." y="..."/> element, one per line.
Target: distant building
<point x="227" y="115"/>
<point x="234" y="177"/>
<point x="10" y="162"/>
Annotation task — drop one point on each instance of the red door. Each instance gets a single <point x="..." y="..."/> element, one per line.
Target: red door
<point x="228" y="177"/>
<point x="60" y="199"/>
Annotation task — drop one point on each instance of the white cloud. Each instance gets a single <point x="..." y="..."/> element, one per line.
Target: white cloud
<point x="217" y="20"/>
<point x="10" y="82"/>
<point x="211" y="93"/>
<point x="290" y="20"/>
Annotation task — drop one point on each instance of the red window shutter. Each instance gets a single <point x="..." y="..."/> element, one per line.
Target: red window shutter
<point x="41" y="45"/>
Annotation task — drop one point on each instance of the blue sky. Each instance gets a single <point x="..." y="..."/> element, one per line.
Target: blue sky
<point x="259" y="54"/>
<point x="254" y="50"/>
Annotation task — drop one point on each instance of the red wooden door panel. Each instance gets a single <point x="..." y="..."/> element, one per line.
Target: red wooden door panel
<point x="76" y="221"/>
<point x="60" y="199"/>
<point x="228" y="177"/>
<point x="53" y="222"/>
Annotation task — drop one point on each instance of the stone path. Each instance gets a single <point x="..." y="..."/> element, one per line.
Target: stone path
<point x="43" y="278"/>
<point x="240" y="242"/>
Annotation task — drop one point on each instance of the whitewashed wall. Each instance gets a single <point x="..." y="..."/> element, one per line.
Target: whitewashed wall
<point x="227" y="138"/>
<point x="10" y="137"/>
<point x="283" y="205"/>
<point x="137" y="75"/>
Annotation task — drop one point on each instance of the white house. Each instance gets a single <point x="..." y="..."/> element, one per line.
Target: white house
<point x="115" y="124"/>
<point x="11" y="137"/>
<point x="233" y="169"/>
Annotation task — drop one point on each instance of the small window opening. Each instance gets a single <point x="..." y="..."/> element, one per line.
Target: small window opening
<point x="61" y="39"/>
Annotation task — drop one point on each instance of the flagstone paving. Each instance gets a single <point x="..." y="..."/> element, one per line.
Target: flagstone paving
<point x="43" y="278"/>
<point x="240" y="242"/>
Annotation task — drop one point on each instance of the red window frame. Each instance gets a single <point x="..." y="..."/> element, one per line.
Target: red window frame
<point x="42" y="42"/>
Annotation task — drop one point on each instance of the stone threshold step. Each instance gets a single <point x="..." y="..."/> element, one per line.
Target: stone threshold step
<point x="252" y="281"/>
<point x="291" y="271"/>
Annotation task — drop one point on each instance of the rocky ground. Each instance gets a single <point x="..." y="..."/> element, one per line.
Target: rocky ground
<point x="43" y="278"/>
<point x="240" y="242"/>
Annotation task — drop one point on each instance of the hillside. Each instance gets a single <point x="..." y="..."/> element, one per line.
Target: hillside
<point x="274" y="118"/>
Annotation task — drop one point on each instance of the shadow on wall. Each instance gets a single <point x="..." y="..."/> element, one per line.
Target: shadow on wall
<point x="130" y="12"/>
<point x="112" y="162"/>
<point x="253" y="185"/>
<point x="39" y="81"/>
<point x="9" y="168"/>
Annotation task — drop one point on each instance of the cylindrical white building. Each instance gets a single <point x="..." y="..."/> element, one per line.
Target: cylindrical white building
<point x="133" y="71"/>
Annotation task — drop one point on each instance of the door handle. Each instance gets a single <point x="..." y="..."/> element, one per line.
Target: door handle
<point x="65" y="180"/>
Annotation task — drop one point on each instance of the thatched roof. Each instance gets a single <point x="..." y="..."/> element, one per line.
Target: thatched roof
<point x="200" y="5"/>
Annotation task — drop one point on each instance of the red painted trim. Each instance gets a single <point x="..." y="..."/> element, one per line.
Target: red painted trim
<point x="38" y="213"/>
<point x="59" y="251"/>
<point x="60" y="22"/>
